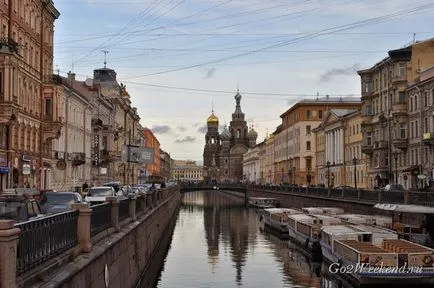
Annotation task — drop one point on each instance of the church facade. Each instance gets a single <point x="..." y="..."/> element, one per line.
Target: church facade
<point x="223" y="152"/>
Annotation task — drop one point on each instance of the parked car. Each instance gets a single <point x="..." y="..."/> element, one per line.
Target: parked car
<point x="394" y="188"/>
<point x="115" y="184"/>
<point x="57" y="202"/>
<point x="20" y="208"/>
<point x="97" y="195"/>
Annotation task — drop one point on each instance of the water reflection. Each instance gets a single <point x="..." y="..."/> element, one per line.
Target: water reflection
<point x="217" y="242"/>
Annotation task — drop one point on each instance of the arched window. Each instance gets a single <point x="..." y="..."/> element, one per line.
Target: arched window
<point x="238" y="134"/>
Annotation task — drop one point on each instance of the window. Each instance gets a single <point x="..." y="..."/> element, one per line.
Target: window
<point x="320" y="111"/>
<point x="412" y="129"/>
<point x="401" y="99"/>
<point x="308" y="130"/>
<point x="401" y="69"/>
<point x="48" y="107"/>
<point x="1" y="85"/>
<point x="308" y="145"/>
<point x="426" y="125"/>
<point x="411" y="104"/>
<point x="309" y="164"/>
<point x="416" y="128"/>
<point x="432" y="97"/>
<point x="402" y="131"/>
<point x="308" y="114"/>
<point x="369" y="138"/>
<point x="415" y="102"/>
<point x="425" y="100"/>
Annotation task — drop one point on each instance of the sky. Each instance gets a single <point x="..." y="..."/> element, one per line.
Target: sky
<point x="181" y="59"/>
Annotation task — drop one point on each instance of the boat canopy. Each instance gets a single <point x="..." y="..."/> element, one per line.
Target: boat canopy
<point x="405" y="208"/>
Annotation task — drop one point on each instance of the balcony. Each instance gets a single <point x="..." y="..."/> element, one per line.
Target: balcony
<point x="7" y="113"/>
<point x="382" y="144"/>
<point x="51" y="128"/>
<point x="8" y="45"/>
<point x="396" y="79"/>
<point x="366" y="125"/>
<point x="77" y="158"/>
<point x="399" y="109"/>
<point x="367" y="149"/>
<point x="366" y="95"/>
<point x="428" y="138"/>
<point x="400" y="143"/>
<point x="108" y="156"/>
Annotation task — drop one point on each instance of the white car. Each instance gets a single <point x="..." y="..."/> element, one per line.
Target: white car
<point x="97" y="195"/>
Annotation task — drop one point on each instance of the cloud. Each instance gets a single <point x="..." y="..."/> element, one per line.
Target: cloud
<point x="187" y="139"/>
<point x="161" y="129"/>
<point x="202" y="129"/>
<point x="182" y="128"/>
<point x="327" y="76"/>
<point x="210" y="73"/>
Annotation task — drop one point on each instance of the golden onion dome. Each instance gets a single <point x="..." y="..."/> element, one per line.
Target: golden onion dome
<point x="212" y="118"/>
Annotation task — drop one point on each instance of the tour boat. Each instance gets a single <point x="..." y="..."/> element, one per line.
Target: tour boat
<point x="263" y="202"/>
<point x="378" y="220"/>
<point x="277" y="219"/>
<point x="323" y="210"/>
<point x="304" y="229"/>
<point x="371" y="255"/>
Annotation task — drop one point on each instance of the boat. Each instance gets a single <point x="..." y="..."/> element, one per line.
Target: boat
<point x="263" y="202"/>
<point x="373" y="255"/>
<point x="276" y="219"/>
<point x="323" y="210"/>
<point x="422" y="234"/>
<point x="304" y="230"/>
<point x="378" y="220"/>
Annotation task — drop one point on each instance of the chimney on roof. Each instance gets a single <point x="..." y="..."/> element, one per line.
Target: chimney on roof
<point x="327" y="96"/>
<point x="71" y="77"/>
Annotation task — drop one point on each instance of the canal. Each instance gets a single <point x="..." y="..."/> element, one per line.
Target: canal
<point x="217" y="242"/>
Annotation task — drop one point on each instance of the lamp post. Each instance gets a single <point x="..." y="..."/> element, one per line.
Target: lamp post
<point x="355" y="172"/>
<point x="289" y="175"/>
<point x="395" y="156"/>
<point x="293" y="175"/>
<point x="328" y="174"/>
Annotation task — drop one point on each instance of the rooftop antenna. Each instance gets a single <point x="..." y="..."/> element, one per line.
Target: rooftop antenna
<point x="57" y="69"/>
<point x="105" y="57"/>
<point x="414" y="38"/>
<point x="212" y="106"/>
<point x="238" y="86"/>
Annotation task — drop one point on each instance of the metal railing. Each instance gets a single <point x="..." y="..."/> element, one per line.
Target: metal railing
<point x="43" y="238"/>
<point x="100" y="218"/>
<point x="124" y="209"/>
<point x="139" y="204"/>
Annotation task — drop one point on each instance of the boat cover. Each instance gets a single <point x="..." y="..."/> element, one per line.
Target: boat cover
<point x="405" y="208"/>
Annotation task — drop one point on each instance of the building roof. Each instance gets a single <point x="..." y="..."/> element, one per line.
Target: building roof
<point x="212" y="118"/>
<point x="323" y="100"/>
<point x="342" y="112"/>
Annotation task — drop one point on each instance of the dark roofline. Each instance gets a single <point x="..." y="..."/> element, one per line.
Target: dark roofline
<point x="330" y="101"/>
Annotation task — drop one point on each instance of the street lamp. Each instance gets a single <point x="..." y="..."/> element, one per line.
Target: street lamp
<point x="328" y="174"/>
<point x="395" y="156"/>
<point x="355" y="173"/>
<point x="289" y="175"/>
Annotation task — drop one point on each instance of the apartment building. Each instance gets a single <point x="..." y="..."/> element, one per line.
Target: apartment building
<point x="339" y="161"/>
<point x="295" y="160"/>
<point x="391" y="109"/>
<point x="28" y="97"/>
<point x="186" y="170"/>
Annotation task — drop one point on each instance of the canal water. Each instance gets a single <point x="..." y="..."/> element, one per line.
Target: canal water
<point x="217" y="242"/>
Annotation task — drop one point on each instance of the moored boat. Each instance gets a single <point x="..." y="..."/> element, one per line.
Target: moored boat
<point x="305" y="229"/>
<point x="276" y="219"/>
<point x="371" y="255"/>
<point x="378" y="220"/>
<point x="323" y="210"/>
<point x="263" y="202"/>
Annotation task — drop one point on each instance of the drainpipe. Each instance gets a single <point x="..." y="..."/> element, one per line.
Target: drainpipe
<point x="421" y="133"/>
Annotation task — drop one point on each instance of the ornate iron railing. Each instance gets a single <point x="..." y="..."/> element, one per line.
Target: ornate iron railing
<point x="44" y="238"/>
<point x="100" y="218"/>
<point x="124" y="209"/>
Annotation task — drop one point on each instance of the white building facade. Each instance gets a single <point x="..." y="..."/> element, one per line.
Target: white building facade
<point x="251" y="165"/>
<point x="72" y="149"/>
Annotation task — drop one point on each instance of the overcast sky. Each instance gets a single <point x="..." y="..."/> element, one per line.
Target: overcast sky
<point x="180" y="58"/>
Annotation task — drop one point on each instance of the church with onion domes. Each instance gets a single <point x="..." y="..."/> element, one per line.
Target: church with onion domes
<point x="223" y="151"/>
